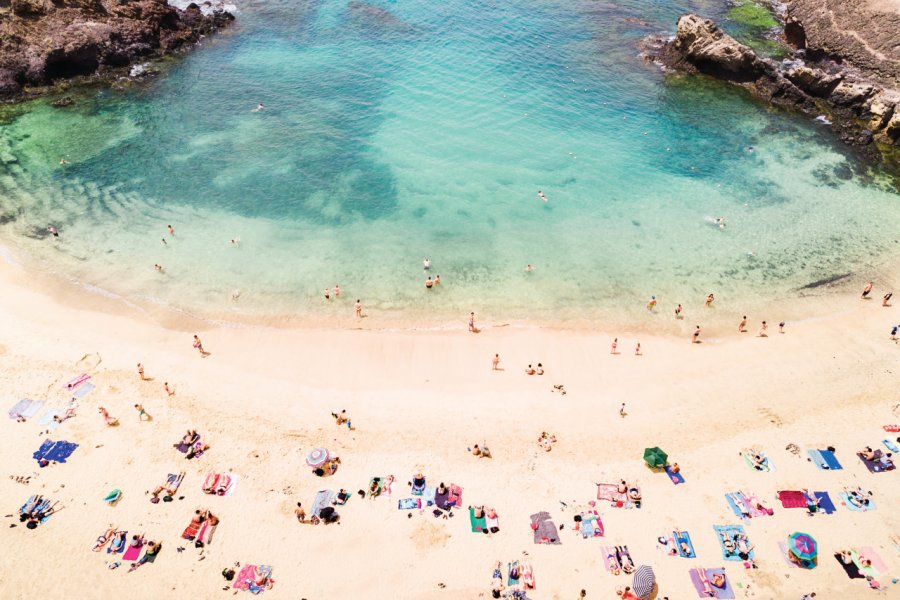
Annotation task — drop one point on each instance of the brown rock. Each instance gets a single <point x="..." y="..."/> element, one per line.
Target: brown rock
<point x="715" y="52"/>
<point x="849" y="95"/>
<point x="814" y="82"/>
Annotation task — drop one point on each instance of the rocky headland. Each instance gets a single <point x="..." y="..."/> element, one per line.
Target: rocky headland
<point x="844" y="64"/>
<point x="43" y="42"/>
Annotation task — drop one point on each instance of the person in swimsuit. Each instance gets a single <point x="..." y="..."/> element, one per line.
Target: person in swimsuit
<point x="652" y="304"/>
<point x="742" y="327"/>
<point x="678" y="310"/>
<point x="695" y="338"/>
<point x="764" y="330"/>
<point x="337" y="291"/>
<point x="358" y="308"/>
<point x="886" y="301"/>
<point x="866" y="291"/>
<point x="614" y="345"/>
<point x="495" y="363"/>
<point x="429" y="283"/>
<point x="709" y="300"/>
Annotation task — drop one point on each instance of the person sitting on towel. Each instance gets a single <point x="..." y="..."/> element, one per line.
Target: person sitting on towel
<point x="718" y="580"/>
<point x="622" y="487"/>
<point x="341" y="498"/>
<point x="868" y="454"/>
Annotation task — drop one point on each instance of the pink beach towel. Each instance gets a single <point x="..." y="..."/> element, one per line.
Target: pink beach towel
<point x="792" y="499"/>
<point x="244" y="578"/>
<point x="455" y="495"/>
<point x="877" y="563"/>
<point x="74" y="383"/>
<point x="753" y="505"/>
<point x="133" y="552"/>
<point x="610" y="493"/>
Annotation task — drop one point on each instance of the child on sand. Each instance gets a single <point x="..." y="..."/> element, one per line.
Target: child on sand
<point x="495" y="363"/>
<point x="140" y="370"/>
<point x="142" y="413"/>
<point x="615" y="344"/>
<point x="764" y="330"/>
<point x="199" y="346"/>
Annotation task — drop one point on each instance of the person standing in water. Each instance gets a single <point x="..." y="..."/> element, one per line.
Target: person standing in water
<point x="709" y="300"/>
<point x="472" y="323"/>
<point x="866" y="291"/>
<point x="742" y="327"/>
<point x="171" y="230"/>
<point x="429" y="283"/>
<point x="652" y="304"/>
<point x="337" y="291"/>
<point x="327" y="293"/>
<point x="529" y="268"/>
<point x="358" y="308"/>
<point x="426" y="264"/>
<point x="764" y="330"/>
<point x="437" y="280"/>
<point x="696" y="336"/>
<point x="678" y="311"/>
<point x="53" y="231"/>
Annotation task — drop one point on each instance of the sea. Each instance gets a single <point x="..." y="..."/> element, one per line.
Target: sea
<point x="398" y="130"/>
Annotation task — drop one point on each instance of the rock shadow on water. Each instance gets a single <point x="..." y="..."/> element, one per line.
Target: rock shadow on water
<point x="374" y="22"/>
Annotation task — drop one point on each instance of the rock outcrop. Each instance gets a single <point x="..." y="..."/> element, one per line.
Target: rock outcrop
<point x="43" y="41"/>
<point x="863" y="110"/>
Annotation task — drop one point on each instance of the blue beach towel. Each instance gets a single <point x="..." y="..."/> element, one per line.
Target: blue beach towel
<point x="854" y="507"/>
<point x="685" y="538"/>
<point x="676" y="478"/>
<point x="55" y="451"/>
<point x="409" y="503"/>
<point x="45" y="447"/>
<point x="825" y="504"/>
<point x="893" y="447"/>
<point x="824" y="460"/>
<point x="84" y="390"/>
<point x="730" y="531"/>
<point x="513" y="570"/>
<point x="734" y="507"/>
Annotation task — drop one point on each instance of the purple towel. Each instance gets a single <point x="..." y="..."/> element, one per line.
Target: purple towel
<point x="724" y="594"/>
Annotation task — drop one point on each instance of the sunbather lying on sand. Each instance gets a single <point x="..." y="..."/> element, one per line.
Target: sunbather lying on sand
<point x="614" y="566"/>
<point x="624" y="559"/>
<point x="70" y="412"/>
<point x="546" y="441"/>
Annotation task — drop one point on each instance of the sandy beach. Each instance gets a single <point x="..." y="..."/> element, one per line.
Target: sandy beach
<point x="262" y="400"/>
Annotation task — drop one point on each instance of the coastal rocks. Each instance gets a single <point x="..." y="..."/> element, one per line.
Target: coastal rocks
<point x="862" y="111"/>
<point x="51" y="40"/>
<point x="63" y="102"/>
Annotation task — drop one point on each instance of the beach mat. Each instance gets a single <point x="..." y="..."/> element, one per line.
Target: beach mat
<point x="477" y="524"/>
<point x="19" y="408"/>
<point x="851" y="568"/>
<point x="824" y="460"/>
<point x="730" y="531"/>
<point x="244" y="578"/>
<point x="591" y="525"/>
<point x="60" y="451"/>
<point x="767" y="466"/>
<point x="322" y="500"/>
<point x="845" y="500"/>
<point x="513" y="569"/>
<point x="409" y="503"/>
<point x="133" y="552"/>
<point x="825" y="503"/>
<point x="111" y="549"/>
<point x="675" y="478"/>
<point x="876" y="466"/>
<point x="684" y="536"/>
<point x="792" y="499"/>
<point x="749" y="500"/>
<point x="31" y="411"/>
<point x="725" y="594"/>
<point x="47" y="417"/>
<point x="877" y="567"/>
<point x="84" y="390"/>
<point x="545" y="531"/>
<point x="76" y="381"/>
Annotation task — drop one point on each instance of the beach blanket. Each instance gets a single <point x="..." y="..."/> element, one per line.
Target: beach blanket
<point x="244" y="578"/>
<point x="378" y="483"/>
<point x="683" y="537"/>
<point x="875" y="569"/>
<point x="76" y="381"/>
<point x="418" y="490"/>
<point x="477" y="523"/>
<point x="545" y="531"/>
<point x="36" y="504"/>
<point x="265" y="571"/>
<point x="851" y="568"/>
<point x="881" y="463"/>
<point x="47" y="417"/>
<point x="31" y="411"/>
<point x="25" y="408"/>
<point x="889" y="444"/>
<point x="409" y="503"/>
<point x="454" y="498"/>
<point x="514" y="573"/>
<point x="527" y="575"/>
<point x="190" y="532"/>
<point x="204" y="536"/>
<point x="84" y="390"/>
<point x="609" y="492"/>
<point x="118" y="543"/>
<point x="219" y="484"/>
<point x="55" y="451"/>
<point x="792" y="499"/>
<point x="591" y="525"/>
<point x="428" y="495"/>
<point x="441" y="499"/>
<point x="749" y="502"/>
<point x="765" y="467"/>
<point x="133" y="552"/>
<point x="323" y="499"/>
<point x="675" y="478"/>
<point x="824" y="460"/>
<point x="730" y="531"/>
<point x="845" y="498"/>
<point x="725" y="593"/>
<point x="826" y="506"/>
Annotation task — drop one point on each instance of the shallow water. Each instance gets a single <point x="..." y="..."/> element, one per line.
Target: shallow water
<point x="398" y="130"/>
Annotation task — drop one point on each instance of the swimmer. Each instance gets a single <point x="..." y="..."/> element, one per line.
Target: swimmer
<point x="429" y="283"/>
<point x="542" y="196"/>
<point x="164" y="242"/>
<point x="437" y="280"/>
<point x="158" y="267"/>
<point x="678" y="311"/>
<point x="337" y="291"/>
<point x="171" y="230"/>
<point x="235" y="295"/>
<point x="710" y="299"/>
<point x="720" y="221"/>
<point x="426" y="264"/>
<point x="327" y="294"/>
<point x="652" y="304"/>
<point x="53" y="230"/>
<point x="258" y="108"/>
<point x="235" y="242"/>
<point x="63" y="161"/>
<point x="529" y="268"/>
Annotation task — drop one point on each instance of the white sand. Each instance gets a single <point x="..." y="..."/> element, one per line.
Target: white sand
<point x="417" y="399"/>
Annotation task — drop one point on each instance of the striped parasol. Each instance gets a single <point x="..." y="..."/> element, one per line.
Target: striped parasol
<point x="643" y="582"/>
<point x="317" y="457"/>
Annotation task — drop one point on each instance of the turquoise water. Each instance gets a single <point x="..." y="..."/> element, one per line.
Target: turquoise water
<point x="399" y="130"/>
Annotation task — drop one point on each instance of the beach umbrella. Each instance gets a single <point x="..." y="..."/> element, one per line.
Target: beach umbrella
<point x="317" y="457"/>
<point x="655" y="457"/>
<point x="804" y="547"/>
<point x="643" y="582"/>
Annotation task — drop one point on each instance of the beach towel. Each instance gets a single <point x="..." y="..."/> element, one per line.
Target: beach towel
<point x="591" y="525"/>
<point x="492" y="524"/>
<point x="454" y="498"/>
<point x="845" y="498"/>
<point x="244" y="578"/>
<point x="322" y="500"/>
<point x="610" y="493"/>
<point x="826" y="506"/>
<point x="889" y="444"/>
<point x="217" y="484"/>
<point x="877" y="466"/>
<point x="47" y="417"/>
<point x="765" y="467"/>
<point x="84" y="390"/>
<point x="190" y="532"/>
<point x="32" y="410"/>
<point x="409" y="503"/>
<point x="824" y="460"/>
<point x="675" y="478"/>
<point x="428" y="496"/>
<point x="133" y="552"/>
<point x="76" y="381"/>
<point x="851" y="568"/>
<point x="378" y="482"/>
<point x="749" y="501"/>
<point x="418" y="490"/>
<point x="117" y="544"/>
<point x="265" y="571"/>
<point x="610" y="562"/>
<point x="876" y="568"/>
<point x="19" y="408"/>
<point x="725" y="594"/>
<point x="527" y="575"/>
<point x="683" y="537"/>
<point x="45" y="447"/>
<point x="730" y="531"/>
<point x="792" y="499"/>
<point x="441" y="499"/>
<point x="55" y="451"/>
<point x="514" y="573"/>
<point x="204" y="536"/>
<point x="477" y="523"/>
<point x="545" y="531"/>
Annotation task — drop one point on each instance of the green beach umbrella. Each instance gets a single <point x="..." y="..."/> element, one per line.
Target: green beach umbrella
<point x="655" y="457"/>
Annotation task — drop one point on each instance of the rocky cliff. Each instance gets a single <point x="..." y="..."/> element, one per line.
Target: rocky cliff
<point x="43" y="41"/>
<point x="864" y="107"/>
